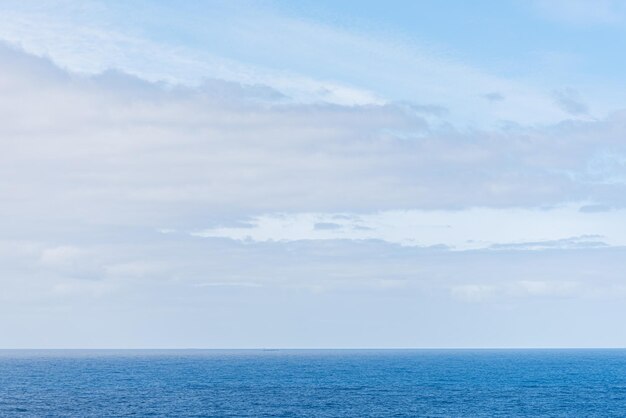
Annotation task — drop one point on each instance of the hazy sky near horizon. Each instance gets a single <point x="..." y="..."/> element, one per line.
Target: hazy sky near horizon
<point x="312" y="174"/>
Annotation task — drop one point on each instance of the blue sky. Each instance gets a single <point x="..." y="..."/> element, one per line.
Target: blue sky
<point x="312" y="174"/>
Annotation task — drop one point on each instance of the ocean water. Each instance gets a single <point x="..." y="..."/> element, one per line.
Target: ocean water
<point x="313" y="383"/>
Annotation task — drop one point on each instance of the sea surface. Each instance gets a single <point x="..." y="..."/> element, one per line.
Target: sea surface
<point x="313" y="383"/>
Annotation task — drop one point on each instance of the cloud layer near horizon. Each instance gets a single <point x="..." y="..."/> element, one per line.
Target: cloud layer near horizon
<point x="93" y="167"/>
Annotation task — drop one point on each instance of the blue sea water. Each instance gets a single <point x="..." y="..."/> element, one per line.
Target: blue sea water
<point x="313" y="383"/>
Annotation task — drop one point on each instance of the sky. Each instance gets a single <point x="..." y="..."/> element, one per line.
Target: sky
<point x="312" y="174"/>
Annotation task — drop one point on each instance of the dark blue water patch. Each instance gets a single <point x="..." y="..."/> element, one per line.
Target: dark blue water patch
<point x="313" y="383"/>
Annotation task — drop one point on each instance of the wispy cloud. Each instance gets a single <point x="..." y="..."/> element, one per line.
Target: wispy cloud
<point x="570" y="101"/>
<point x="360" y="68"/>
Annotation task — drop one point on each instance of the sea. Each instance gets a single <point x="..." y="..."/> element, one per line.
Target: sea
<point x="313" y="383"/>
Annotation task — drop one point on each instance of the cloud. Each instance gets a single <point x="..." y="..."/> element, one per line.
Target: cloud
<point x="103" y="179"/>
<point x="473" y="292"/>
<point x="181" y="291"/>
<point x="325" y="226"/>
<point x="545" y="288"/>
<point x="595" y="208"/>
<point x="432" y="110"/>
<point x="82" y="144"/>
<point x="570" y="101"/>
<point x="481" y="293"/>
<point x="61" y="255"/>
<point x="585" y="241"/>
<point x="361" y="68"/>
<point x="132" y="264"/>
<point x="494" y="97"/>
<point x="114" y="149"/>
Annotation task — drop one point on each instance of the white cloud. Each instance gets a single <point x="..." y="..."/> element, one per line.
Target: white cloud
<point x="118" y="150"/>
<point x="360" y="68"/>
<point x="87" y="148"/>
